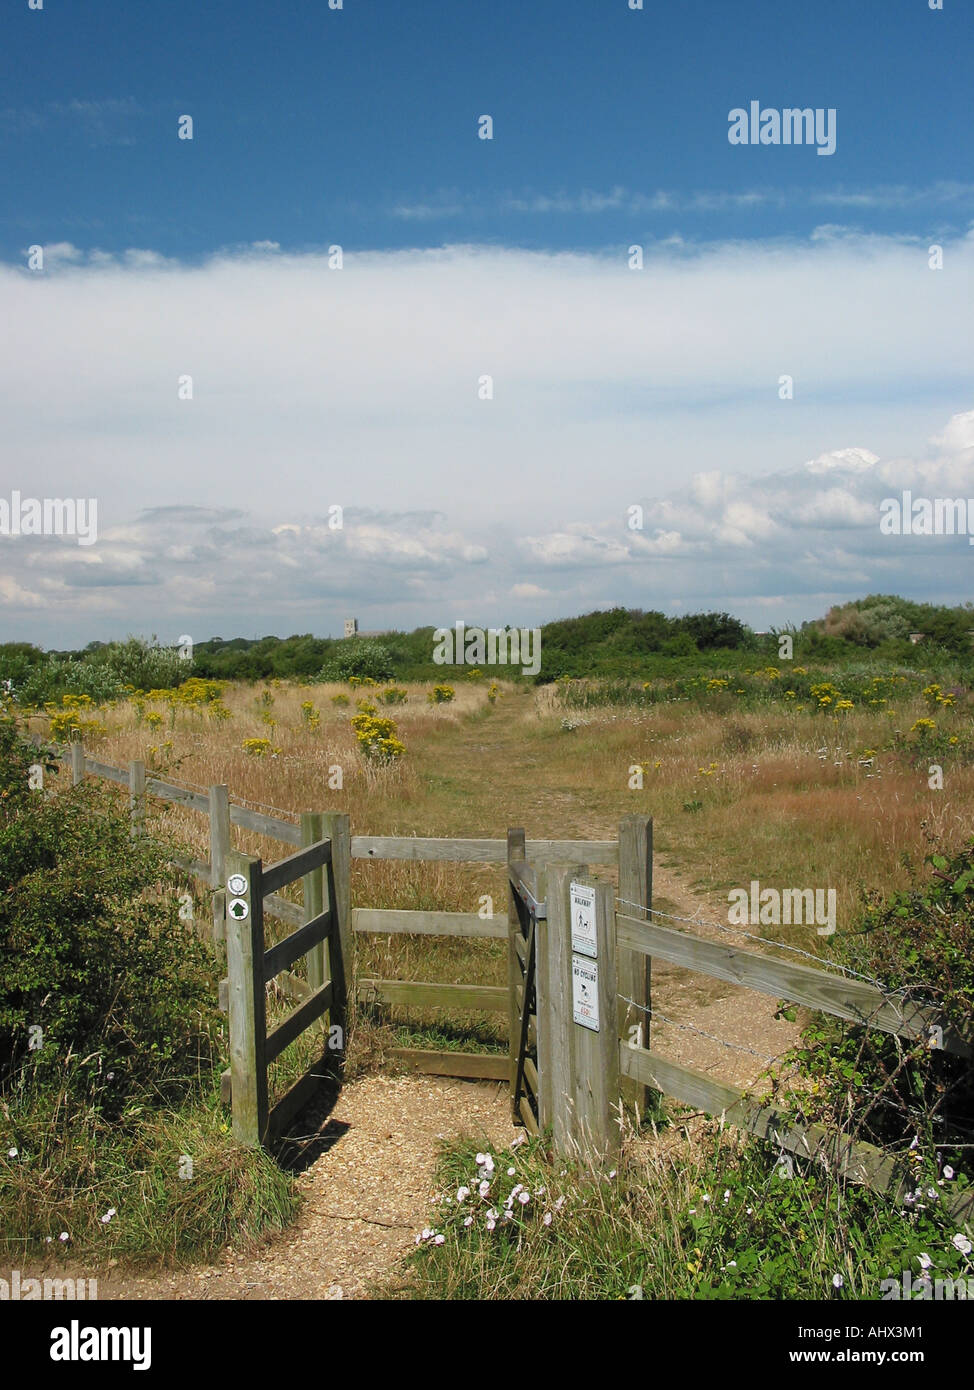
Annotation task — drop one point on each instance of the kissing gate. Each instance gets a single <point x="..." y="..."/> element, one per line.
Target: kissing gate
<point x="577" y="997"/>
<point x="563" y="979"/>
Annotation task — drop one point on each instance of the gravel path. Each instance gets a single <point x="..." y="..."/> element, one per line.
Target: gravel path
<point x="367" y="1193"/>
<point x="366" y="1196"/>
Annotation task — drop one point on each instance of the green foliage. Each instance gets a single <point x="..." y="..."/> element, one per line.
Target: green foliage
<point x="885" y="618"/>
<point x="905" y="1096"/>
<point x="109" y="1059"/>
<point x="101" y="671"/>
<point x="359" y="657"/>
<point x="92" y="951"/>
<point x="736" y="1223"/>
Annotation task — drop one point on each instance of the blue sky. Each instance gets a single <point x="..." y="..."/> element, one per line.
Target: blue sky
<point x="317" y="125"/>
<point x="466" y="258"/>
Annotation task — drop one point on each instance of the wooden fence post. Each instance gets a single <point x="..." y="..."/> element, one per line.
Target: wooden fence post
<point x="516" y="845"/>
<point x="137" y="796"/>
<point x="555" y="1028"/>
<point x="219" y="849"/>
<point x="248" y="1017"/>
<point x="635" y="970"/>
<point x="77" y="761"/>
<point x="335" y="826"/>
<point x="583" y="985"/>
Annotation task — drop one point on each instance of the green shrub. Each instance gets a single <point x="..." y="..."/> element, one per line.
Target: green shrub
<point x="359" y="657"/>
<point x="95" y="964"/>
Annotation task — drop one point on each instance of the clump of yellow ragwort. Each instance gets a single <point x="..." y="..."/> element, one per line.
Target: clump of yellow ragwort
<point x="376" y="735"/>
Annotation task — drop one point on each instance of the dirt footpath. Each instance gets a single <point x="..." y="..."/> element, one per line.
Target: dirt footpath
<point x="366" y="1196"/>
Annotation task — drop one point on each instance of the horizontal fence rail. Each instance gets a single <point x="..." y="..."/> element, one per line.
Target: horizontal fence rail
<point x="395" y="920"/>
<point x="857" y="1001"/>
<point x="481" y="851"/>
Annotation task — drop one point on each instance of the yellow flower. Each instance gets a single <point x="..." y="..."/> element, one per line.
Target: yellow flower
<point x="256" y="747"/>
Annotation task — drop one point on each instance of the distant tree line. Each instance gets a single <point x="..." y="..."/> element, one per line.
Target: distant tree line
<point x="624" y="642"/>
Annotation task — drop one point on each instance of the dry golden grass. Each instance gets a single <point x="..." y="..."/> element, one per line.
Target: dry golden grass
<point x="785" y="798"/>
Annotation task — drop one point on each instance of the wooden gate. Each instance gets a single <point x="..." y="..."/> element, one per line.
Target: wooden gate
<point x="526" y="909"/>
<point x="250" y="967"/>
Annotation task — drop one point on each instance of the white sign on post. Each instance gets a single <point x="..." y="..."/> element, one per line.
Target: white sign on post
<point x="585" y="992"/>
<point x="584" y="939"/>
<point x="236" y="884"/>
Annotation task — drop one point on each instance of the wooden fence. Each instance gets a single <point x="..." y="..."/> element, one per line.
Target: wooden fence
<point x="578" y="997"/>
<point x="583" y="1060"/>
<point x="632" y="854"/>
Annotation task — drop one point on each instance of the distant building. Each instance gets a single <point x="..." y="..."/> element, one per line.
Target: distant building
<point x="352" y="630"/>
<point x="916" y="637"/>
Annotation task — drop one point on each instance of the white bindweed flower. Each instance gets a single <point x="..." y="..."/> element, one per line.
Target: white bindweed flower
<point x="64" y="1236"/>
<point x="480" y="1159"/>
<point x="837" y="1281"/>
<point x="491" y="1213"/>
<point x="11" y="1153"/>
<point x="484" y="1188"/>
<point x="491" y="1225"/>
<point x="438" y="1240"/>
<point x="468" y="1221"/>
<point x="511" y="1171"/>
<point x="705" y="1197"/>
<point x="547" y="1218"/>
<point x="524" y="1198"/>
<point x="925" y="1260"/>
<point x="948" y="1172"/>
<point x="463" y="1193"/>
<point x="961" y="1243"/>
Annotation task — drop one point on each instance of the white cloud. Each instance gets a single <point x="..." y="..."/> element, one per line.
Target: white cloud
<point x="359" y="387"/>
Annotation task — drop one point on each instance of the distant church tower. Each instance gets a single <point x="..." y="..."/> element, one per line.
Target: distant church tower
<point x="351" y="627"/>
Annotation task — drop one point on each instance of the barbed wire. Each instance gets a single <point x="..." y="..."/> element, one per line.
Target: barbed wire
<point x="764" y="940"/>
<point x="690" y="1028"/>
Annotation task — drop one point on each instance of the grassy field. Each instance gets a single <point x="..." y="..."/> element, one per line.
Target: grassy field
<point x="745" y="778"/>
<point x="804" y="778"/>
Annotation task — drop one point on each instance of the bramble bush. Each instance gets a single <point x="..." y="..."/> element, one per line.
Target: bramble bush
<point x="909" y="1096"/>
<point x="94" y="961"/>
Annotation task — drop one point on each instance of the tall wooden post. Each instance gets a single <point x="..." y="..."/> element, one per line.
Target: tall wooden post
<point x="335" y="825"/>
<point x="248" y="1018"/>
<point x="635" y="970"/>
<point x="555" y="1029"/>
<point x="583" y="982"/>
<point x="516" y="849"/>
<point x="219" y="849"/>
<point x="77" y="762"/>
